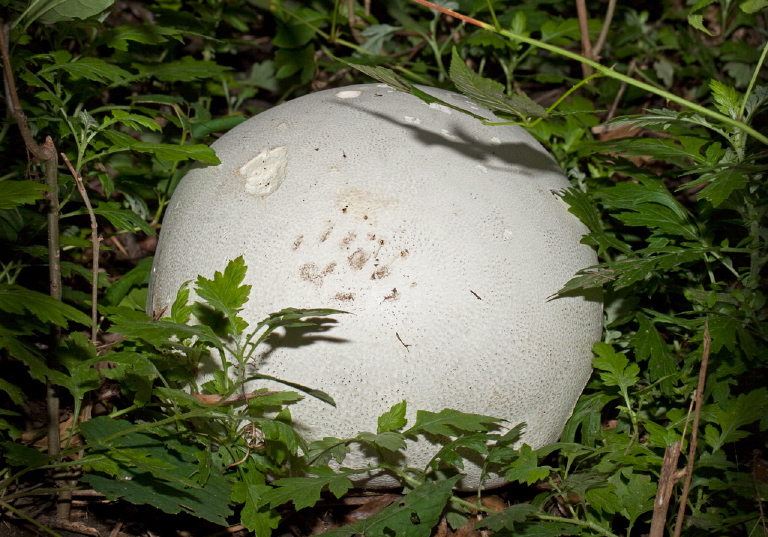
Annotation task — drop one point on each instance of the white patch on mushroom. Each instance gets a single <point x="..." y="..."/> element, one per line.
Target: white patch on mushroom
<point x="450" y="136"/>
<point x="495" y="140"/>
<point x="348" y="94"/>
<point x="412" y="120"/>
<point x="482" y="168"/>
<point x="508" y="234"/>
<point x="441" y="107"/>
<point x="265" y="172"/>
<point x="283" y="126"/>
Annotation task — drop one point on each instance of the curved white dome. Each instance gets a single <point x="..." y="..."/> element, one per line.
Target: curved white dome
<point x="442" y="237"/>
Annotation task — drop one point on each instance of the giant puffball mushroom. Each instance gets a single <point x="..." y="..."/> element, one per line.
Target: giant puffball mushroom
<point x="445" y="238"/>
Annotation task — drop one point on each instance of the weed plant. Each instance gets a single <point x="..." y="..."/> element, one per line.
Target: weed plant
<point x="666" y="151"/>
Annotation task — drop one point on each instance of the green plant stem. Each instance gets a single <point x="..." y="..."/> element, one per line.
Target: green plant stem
<point x="752" y="82"/>
<point x="607" y="71"/>
<point x="576" y="522"/>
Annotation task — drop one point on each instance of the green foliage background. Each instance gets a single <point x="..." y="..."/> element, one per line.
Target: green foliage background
<point x="134" y="93"/>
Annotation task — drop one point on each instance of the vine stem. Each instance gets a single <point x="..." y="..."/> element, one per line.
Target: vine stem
<point x="607" y="71"/>
<point x="95" y="242"/>
<point x="694" y="430"/>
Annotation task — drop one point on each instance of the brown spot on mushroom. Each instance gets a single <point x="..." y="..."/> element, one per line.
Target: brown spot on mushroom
<point x="380" y="273"/>
<point x="324" y="236"/>
<point x="311" y="273"/>
<point x="343" y="296"/>
<point x="394" y="295"/>
<point x="297" y="242"/>
<point x="358" y="259"/>
<point x="346" y="241"/>
<point x="404" y="253"/>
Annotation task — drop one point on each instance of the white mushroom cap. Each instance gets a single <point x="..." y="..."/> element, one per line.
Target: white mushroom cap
<point x="441" y="235"/>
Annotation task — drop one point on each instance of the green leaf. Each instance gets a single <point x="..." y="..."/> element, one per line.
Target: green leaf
<point x="200" y="129"/>
<point x="133" y="121"/>
<point x="17" y="454"/>
<point x="136" y="277"/>
<point x="162" y="334"/>
<point x="740" y="411"/>
<point x="122" y="218"/>
<point x="300" y="28"/>
<point x="489" y="93"/>
<point x="15" y="193"/>
<point x="209" y="503"/>
<point x="18" y="300"/>
<point x="413" y="516"/>
<point x="727" y="101"/>
<point x="260" y="520"/>
<point x="292" y="61"/>
<point x="53" y="11"/>
<point x="146" y="34"/>
<point x="185" y="70"/>
<point x="389" y="440"/>
<point x="225" y="293"/>
<point x="305" y="491"/>
<point x="448" y="422"/>
<point x="615" y="369"/>
<point x="650" y="346"/>
<point x="94" y="69"/>
<point x="320" y="452"/>
<point x="753" y="6"/>
<point x="506" y="519"/>
<point x="393" y="419"/>
<point x="526" y="469"/>
<point x="384" y="75"/>
<point x="176" y="153"/>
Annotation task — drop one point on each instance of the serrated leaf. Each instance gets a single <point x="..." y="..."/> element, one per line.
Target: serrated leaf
<point x="185" y="70"/>
<point x="122" y="218"/>
<point x="224" y="292"/>
<point x="526" y="469"/>
<point x="136" y="277"/>
<point x="753" y="6"/>
<point x="200" y="129"/>
<point x="489" y="93"/>
<point x="15" y="193"/>
<point x="18" y="300"/>
<point x="389" y="440"/>
<point x="305" y="491"/>
<point x="741" y="410"/>
<point x="134" y="121"/>
<point x="210" y="503"/>
<point x="506" y="519"/>
<point x="413" y="516"/>
<point x="649" y="346"/>
<point x="94" y="69"/>
<point x="384" y="75"/>
<point x="53" y="11"/>
<point x="176" y="153"/>
<point x="726" y="99"/>
<point x="146" y="34"/>
<point x="162" y="333"/>
<point x="320" y="452"/>
<point x="615" y="369"/>
<point x="317" y="394"/>
<point x="260" y="520"/>
<point x="393" y="419"/>
<point x="449" y="422"/>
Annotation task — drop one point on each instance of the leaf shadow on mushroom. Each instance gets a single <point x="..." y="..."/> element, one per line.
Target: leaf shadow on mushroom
<point x="292" y="337"/>
<point x="526" y="159"/>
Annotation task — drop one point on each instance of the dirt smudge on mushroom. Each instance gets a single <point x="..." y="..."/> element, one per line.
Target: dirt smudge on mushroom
<point x="297" y="242"/>
<point x="311" y="273"/>
<point x="358" y="258"/>
<point x="343" y="296"/>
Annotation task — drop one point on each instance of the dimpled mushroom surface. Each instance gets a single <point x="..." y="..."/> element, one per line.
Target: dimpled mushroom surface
<point x="442" y="236"/>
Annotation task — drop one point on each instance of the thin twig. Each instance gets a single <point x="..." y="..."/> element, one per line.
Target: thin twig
<point x="95" y="244"/>
<point x="586" y="43"/>
<point x="602" y="38"/>
<point x="45" y="154"/>
<point x="694" y="430"/>
<point x="667" y="480"/>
